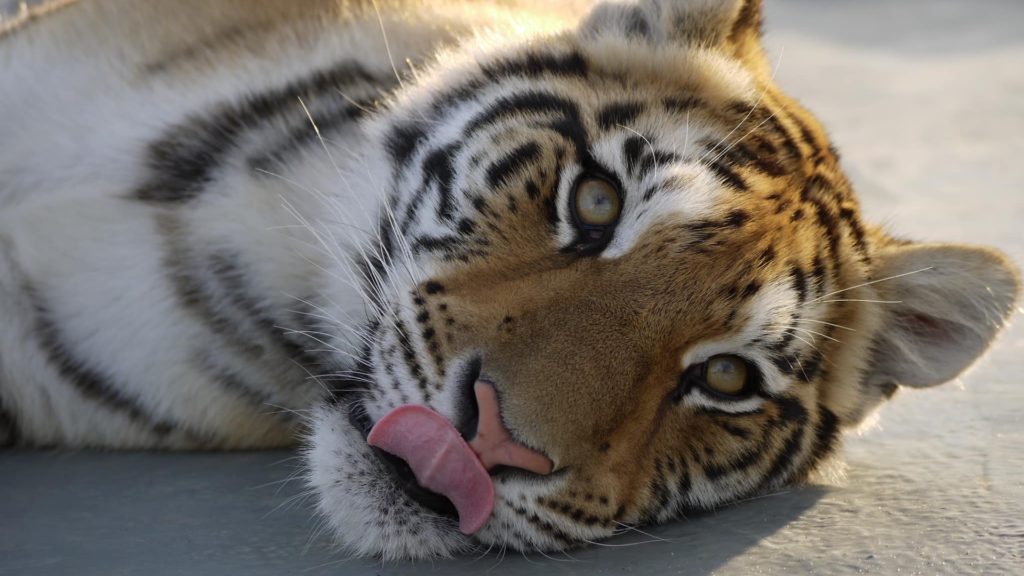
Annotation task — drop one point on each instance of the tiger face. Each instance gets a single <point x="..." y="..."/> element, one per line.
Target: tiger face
<point x="652" y="258"/>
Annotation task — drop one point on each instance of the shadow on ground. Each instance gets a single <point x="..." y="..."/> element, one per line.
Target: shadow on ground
<point x="156" y="514"/>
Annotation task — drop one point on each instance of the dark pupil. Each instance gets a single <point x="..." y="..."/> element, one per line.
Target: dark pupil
<point x="596" y="205"/>
<point x="599" y="203"/>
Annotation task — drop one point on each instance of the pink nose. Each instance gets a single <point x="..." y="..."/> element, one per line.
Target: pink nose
<point x="493" y="444"/>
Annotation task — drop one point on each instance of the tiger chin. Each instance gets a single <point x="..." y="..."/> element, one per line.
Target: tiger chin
<point x="514" y="276"/>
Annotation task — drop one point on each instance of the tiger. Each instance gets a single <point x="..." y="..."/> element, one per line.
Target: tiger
<point x="509" y="274"/>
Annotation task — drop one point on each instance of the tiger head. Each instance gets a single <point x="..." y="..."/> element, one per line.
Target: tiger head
<point x="649" y="261"/>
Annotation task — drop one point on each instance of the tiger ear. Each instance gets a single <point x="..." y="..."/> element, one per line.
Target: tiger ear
<point x="731" y="25"/>
<point x="948" y="302"/>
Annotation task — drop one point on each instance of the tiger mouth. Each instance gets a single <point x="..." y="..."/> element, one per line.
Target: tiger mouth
<point x="447" y="463"/>
<point x="398" y="472"/>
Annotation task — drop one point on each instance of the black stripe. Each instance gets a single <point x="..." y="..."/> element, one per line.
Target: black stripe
<point x="532" y="190"/>
<point x="727" y="175"/>
<point x="521" y="104"/>
<point x="744" y="460"/>
<point x="572" y="130"/>
<point x="852" y="220"/>
<point x="754" y="153"/>
<point x="791" y="411"/>
<point x="550" y="207"/>
<point x="403" y="140"/>
<point x="438" y="170"/>
<point x="660" y="494"/>
<point x="532" y="65"/>
<point x="411" y="362"/>
<point x="89" y="381"/>
<point x="301" y="136"/>
<point x="567" y="123"/>
<point x="733" y="430"/>
<point x="682" y="105"/>
<point x="819" y="274"/>
<point x="215" y="290"/>
<point x="817" y="192"/>
<point x="826" y="435"/>
<point x="618" y="114"/>
<point x="736" y="219"/>
<point x="195" y="294"/>
<point x="499" y="172"/>
<point x="183" y="161"/>
<point x="651" y="191"/>
<point x="226" y="268"/>
<point x="783" y="459"/>
<point x="544" y="526"/>
<point x="790" y="155"/>
<point x="799" y="284"/>
<point x="685" y="482"/>
<point x="805" y="133"/>
<point x="810" y="368"/>
<point x="374" y="263"/>
<point x="784" y="363"/>
<point x="445" y="244"/>
<point x="632" y="150"/>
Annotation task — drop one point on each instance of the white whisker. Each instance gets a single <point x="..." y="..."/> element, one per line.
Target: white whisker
<point x="870" y="283"/>
<point x="387" y="45"/>
<point x="771" y="81"/>
<point x="860" y="300"/>
<point x="840" y="326"/>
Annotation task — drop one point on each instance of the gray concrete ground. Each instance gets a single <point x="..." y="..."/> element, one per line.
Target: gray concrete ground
<point x="924" y="99"/>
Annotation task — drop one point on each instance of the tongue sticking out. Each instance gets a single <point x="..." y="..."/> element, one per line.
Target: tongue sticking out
<point x="445" y="463"/>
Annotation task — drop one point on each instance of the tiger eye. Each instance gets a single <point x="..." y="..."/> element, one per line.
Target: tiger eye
<point x="597" y="202"/>
<point x="727" y="374"/>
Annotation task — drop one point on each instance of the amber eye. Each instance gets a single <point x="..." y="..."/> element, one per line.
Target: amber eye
<point x="724" y="376"/>
<point x="727" y="375"/>
<point x="596" y="203"/>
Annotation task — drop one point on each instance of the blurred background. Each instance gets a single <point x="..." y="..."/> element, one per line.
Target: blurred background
<point x="924" y="100"/>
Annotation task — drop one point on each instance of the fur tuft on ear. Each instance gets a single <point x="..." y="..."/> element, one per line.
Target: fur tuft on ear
<point x="731" y="25"/>
<point x="952" y="302"/>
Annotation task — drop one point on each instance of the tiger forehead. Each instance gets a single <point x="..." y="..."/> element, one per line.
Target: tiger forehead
<point x="712" y="150"/>
<point x="504" y="85"/>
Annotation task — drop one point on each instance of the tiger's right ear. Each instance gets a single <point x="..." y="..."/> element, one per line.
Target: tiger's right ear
<point x="733" y="26"/>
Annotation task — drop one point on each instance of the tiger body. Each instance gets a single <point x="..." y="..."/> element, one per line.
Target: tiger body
<point x="173" y="244"/>
<point x="235" y="224"/>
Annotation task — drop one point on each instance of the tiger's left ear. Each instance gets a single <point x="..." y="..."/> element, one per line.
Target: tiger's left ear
<point x="733" y="26"/>
<point x="947" y="304"/>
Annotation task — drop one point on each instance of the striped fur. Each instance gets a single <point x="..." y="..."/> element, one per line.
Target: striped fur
<point x="267" y="223"/>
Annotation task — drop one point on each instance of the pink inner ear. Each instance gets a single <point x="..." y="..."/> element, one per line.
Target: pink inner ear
<point x="925" y="326"/>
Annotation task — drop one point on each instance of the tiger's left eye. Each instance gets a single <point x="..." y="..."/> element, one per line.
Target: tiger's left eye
<point x="597" y="203"/>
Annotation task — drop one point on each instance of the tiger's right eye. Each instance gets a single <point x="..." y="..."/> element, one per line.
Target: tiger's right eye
<point x="725" y="376"/>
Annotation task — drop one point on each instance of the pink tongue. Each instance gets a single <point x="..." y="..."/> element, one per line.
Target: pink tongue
<point x="444" y="463"/>
<point x="440" y="459"/>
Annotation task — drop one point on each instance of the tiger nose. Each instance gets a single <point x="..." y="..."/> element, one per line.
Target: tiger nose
<point x="494" y="444"/>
